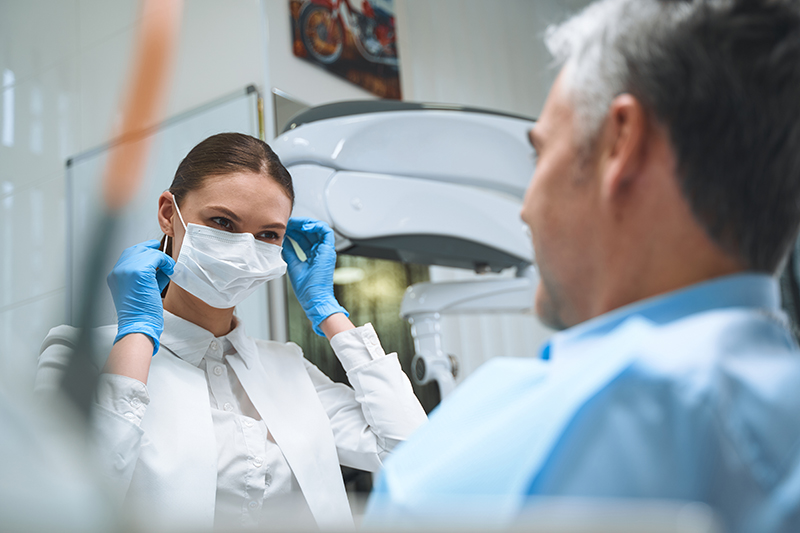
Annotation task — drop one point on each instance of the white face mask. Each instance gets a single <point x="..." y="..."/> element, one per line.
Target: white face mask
<point x="223" y="268"/>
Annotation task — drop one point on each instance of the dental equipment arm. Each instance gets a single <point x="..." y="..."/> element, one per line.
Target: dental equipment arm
<point x="426" y="184"/>
<point x="425" y="303"/>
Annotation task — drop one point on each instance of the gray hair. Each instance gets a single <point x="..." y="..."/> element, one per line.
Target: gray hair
<point x="724" y="77"/>
<point x="594" y="47"/>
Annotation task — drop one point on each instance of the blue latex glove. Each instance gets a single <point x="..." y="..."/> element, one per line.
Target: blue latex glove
<point x="312" y="279"/>
<point x="136" y="283"/>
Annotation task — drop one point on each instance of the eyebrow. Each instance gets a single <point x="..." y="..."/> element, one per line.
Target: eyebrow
<point x="227" y="212"/>
<point x="233" y="216"/>
<point x="274" y="225"/>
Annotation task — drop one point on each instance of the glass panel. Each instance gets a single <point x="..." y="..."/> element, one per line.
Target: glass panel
<point x="285" y="108"/>
<point x="371" y="290"/>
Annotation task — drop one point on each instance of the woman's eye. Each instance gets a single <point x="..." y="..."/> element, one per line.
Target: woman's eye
<point x="269" y="236"/>
<point x="222" y="222"/>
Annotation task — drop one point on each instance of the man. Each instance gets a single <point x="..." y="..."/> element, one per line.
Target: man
<point x="665" y="198"/>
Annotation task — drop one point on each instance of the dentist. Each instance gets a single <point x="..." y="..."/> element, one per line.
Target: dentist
<point x="199" y="425"/>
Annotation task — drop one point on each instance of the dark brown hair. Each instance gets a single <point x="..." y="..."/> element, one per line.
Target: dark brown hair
<point x="227" y="153"/>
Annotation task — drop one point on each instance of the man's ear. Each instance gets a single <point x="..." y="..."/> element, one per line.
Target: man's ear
<point x="166" y="209"/>
<point x="624" y="140"/>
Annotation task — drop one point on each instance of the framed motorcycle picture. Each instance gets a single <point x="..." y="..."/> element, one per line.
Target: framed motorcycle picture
<point x="354" y="39"/>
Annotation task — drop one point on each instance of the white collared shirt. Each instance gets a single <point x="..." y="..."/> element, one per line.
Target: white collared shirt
<point x="251" y="469"/>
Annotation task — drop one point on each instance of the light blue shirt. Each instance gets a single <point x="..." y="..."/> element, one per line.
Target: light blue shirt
<point x="693" y="395"/>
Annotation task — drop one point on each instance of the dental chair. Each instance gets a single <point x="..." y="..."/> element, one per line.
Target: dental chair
<point x="427" y="184"/>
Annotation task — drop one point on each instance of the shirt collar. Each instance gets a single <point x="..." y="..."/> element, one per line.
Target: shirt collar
<point x="737" y="290"/>
<point x="191" y="342"/>
<point x="244" y="345"/>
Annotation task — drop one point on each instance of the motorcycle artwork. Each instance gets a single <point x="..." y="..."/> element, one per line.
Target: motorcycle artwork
<point x="356" y="42"/>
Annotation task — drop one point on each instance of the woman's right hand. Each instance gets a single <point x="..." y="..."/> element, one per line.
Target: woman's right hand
<point x="136" y="282"/>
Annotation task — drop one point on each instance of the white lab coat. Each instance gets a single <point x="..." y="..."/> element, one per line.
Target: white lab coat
<point x="170" y="461"/>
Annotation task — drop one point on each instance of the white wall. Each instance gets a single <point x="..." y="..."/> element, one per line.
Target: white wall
<point x="63" y="66"/>
<point x="478" y="52"/>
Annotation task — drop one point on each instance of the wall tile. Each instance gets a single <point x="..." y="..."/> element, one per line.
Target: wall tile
<point x="36" y="34"/>
<point x="24" y="327"/>
<point x="99" y="20"/>
<point x="33" y="242"/>
<point x="103" y="70"/>
<point x="219" y="52"/>
<point x="45" y="125"/>
<point x="7" y="258"/>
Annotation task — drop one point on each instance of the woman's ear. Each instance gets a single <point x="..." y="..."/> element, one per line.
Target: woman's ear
<point x="166" y="210"/>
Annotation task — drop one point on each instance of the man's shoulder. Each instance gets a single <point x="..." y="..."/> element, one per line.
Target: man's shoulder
<point x="732" y="373"/>
<point x="730" y="363"/>
<point x="733" y="329"/>
<point x="673" y="395"/>
<point x="705" y="346"/>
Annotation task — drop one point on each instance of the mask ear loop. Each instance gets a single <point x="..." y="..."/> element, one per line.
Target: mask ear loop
<point x="177" y="209"/>
<point x="166" y="237"/>
<point x="166" y="241"/>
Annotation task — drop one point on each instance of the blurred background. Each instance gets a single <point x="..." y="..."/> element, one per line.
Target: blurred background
<point x="63" y="65"/>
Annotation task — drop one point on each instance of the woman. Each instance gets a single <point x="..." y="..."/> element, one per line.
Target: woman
<point x="202" y="425"/>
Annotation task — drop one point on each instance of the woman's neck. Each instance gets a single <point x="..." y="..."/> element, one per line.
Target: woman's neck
<point x="180" y="303"/>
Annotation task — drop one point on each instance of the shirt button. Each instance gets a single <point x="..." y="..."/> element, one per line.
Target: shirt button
<point x="252" y="505"/>
<point x="228" y="407"/>
<point x="248" y="423"/>
<point x="258" y="461"/>
<point x="136" y="402"/>
<point x="214" y="345"/>
<point x="218" y="370"/>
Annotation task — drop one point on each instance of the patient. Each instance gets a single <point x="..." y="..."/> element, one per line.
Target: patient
<point x="665" y="198"/>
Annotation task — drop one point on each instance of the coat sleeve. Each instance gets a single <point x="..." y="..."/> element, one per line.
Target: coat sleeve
<point x="120" y="403"/>
<point x="379" y="411"/>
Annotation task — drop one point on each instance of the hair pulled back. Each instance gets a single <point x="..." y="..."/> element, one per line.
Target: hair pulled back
<point x="228" y="153"/>
<point x="222" y="154"/>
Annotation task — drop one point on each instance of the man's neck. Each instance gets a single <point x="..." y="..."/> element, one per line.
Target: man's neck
<point x="647" y="284"/>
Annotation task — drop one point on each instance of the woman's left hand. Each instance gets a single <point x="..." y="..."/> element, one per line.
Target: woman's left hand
<point x="312" y="279"/>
